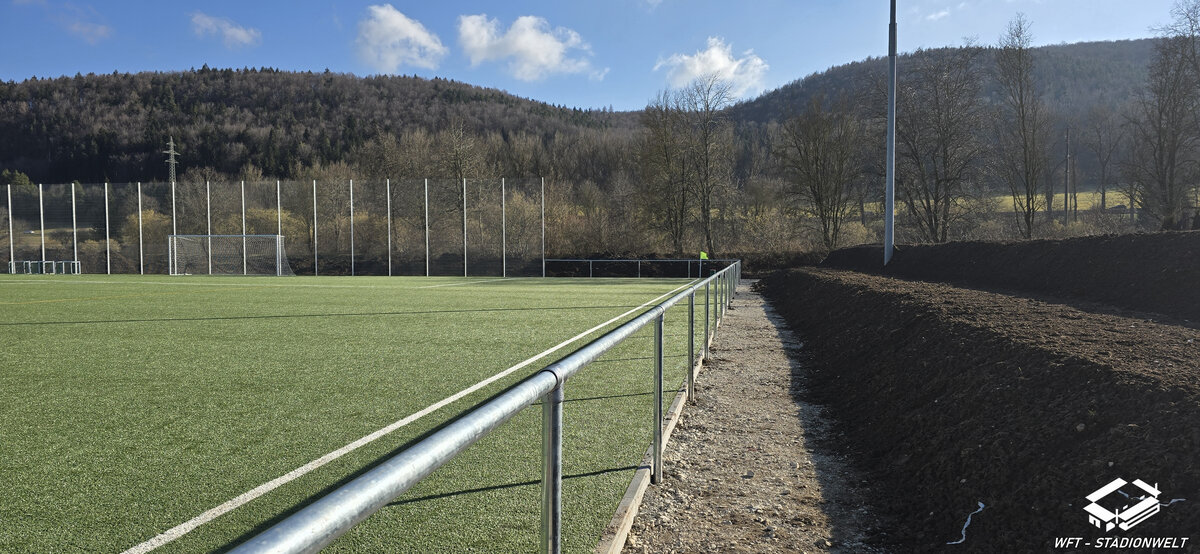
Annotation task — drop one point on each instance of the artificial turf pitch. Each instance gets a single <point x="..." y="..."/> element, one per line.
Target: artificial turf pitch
<point x="130" y="404"/>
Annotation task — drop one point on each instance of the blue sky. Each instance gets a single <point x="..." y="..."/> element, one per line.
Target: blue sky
<point x="586" y="53"/>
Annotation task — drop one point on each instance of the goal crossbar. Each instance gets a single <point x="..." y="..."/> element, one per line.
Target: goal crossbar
<point x="227" y="255"/>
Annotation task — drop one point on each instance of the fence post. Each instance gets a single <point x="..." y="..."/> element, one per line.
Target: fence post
<point x="464" y="226"/>
<point x="589" y="268"/>
<point x="351" y="227"/>
<point x="707" y="301"/>
<point x="427" y="227"/>
<point x="658" y="399"/>
<point x="74" y="225"/>
<point x="640" y="270"/>
<point x="316" y="265"/>
<point x="12" y="250"/>
<point x="388" y="191"/>
<point x="42" y="219"/>
<point x="503" y="231"/>
<point x="278" y="209"/>
<point x="141" y="257"/>
<point x="174" y="231"/>
<point x="552" y="423"/>
<point x="543" y="226"/>
<point x="691" y="367"/>
<point x="208" y="211"/>
<point x="107" y="241"/>
<point x="245" y="257"/>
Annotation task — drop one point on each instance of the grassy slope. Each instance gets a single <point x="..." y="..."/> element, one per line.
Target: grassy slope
<point x="129" y="407"/>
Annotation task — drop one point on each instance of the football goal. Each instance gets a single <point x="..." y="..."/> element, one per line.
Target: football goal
<point x="227" y="255"/>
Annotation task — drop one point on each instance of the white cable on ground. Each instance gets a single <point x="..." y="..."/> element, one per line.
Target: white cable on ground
<point x="967" y="524"/>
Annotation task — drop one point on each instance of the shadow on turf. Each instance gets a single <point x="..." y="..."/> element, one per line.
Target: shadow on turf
<point x="395" y="451"/>
<point x="509" y="485"/>
<point x="289" y="316"/>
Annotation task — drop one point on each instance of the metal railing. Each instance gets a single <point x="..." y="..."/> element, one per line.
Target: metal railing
<point x="713" y="264"/>
<point x="319" y="523"/>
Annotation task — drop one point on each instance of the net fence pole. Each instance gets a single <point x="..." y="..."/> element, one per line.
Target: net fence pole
<point x="351" y="227"/>
<point x="543" y="226"/>
<point x="12" y="250"/>
<point x="388" y="192"/>
<point x="278" y="255"/>
<point x="278" y="210"/>
<point x="552" y="426"/>
<point x="74" y="225"/>
<point x="208" y="215"/>
<point x="141" y="257"/>
<point x="464" y="226"/>
<point x="503" y="231"/>
<point x="658" y="399"/>
<point x="42" y="219"/>
<point x="107" y="240"/>
<point x="316" y="270"/>
<point x="174" y="231"/>
<point x="244" y="253"/>
<point x="427" y="227"/>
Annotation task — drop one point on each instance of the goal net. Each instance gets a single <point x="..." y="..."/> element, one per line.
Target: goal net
<point x="227" y="255"/>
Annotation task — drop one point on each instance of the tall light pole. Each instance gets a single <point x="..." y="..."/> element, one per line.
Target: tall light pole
<point x="889" y="194"/>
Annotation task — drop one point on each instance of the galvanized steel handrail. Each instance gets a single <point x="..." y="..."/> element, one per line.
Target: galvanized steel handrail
<point x="318" y="524"/>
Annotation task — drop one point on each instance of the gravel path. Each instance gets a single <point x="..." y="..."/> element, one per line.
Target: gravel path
<point x="750" y="468"/>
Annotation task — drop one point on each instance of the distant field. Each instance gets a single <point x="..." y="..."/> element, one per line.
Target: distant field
<point x="1003" y="202"/>
<point x="130" y="405"/>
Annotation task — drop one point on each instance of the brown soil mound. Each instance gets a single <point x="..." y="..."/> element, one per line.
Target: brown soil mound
<point x="1158" y="272"/>
<point x="951" y="396"/>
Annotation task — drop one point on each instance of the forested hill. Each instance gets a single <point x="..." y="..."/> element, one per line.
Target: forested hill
<point x="229" y="123"/>
<point x="113" y="127"/>
<point x="1074" y="77"/>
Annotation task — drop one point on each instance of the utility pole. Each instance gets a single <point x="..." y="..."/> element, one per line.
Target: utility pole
<point x="889" y="195"/>
<point x="170" y="152"/>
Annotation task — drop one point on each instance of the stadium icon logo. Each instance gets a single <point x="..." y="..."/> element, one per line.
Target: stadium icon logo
<point x="1109" y="506"/>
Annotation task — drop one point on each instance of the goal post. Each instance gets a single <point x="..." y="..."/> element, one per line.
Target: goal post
<point x="227" y="255"/>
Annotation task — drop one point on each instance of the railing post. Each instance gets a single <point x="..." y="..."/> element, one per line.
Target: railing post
<point x="552" y="422"/>
<point x="707" y="302"/>
<point x="691" y="368"/>
<point x="658" y="399"/>
<point x="589" y="268"/>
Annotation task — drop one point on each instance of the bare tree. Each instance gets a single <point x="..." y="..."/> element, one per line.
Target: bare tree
<point x="667" y="168"/>
<point x="1163" y="135"/>
<point x="819" y="152"/>
<point x="1103" y="137"/>
<point x="938" y="150"/>
<point x="1023" y="124"/>
<point x="711" y="145"/>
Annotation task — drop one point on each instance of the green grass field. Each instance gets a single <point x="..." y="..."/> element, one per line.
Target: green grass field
<point x="130" y="405"/>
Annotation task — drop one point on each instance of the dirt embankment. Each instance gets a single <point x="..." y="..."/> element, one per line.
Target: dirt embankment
<point x="1158" y="272"/>
<point x="950" y="397"/>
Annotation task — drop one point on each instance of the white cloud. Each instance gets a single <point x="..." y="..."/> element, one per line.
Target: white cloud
<point x="232" y="34"/>
<point x="83" y="22"/>
<point x="937" y="15"/>
<point x="532" y="48"/>
<point x="745" y="74"/>
<point x="89" y="31"/>
<point x="388" y="39"/>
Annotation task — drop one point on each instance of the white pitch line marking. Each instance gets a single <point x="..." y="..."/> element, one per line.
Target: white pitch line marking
<point x="213" y="513"/>
<point x="466" y="283"/>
